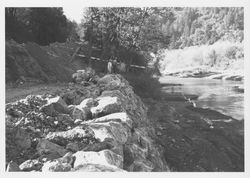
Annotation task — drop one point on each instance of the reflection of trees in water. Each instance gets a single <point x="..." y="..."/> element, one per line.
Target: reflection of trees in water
<point x="216" y="95"/>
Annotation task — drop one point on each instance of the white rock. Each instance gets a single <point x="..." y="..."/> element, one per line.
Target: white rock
<point x="104" y="157"/>
<point x="106" y="105"/>
<point x="110" y="129"/>
<point x="56" y="166"/>
<point x="119" y="117"/>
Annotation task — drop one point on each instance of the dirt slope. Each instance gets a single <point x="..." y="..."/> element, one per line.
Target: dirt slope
<point x="45" y="63"/>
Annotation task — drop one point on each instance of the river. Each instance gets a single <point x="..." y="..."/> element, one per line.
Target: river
<point x="215" y="94"/>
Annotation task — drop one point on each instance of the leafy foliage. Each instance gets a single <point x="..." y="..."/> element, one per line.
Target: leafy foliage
<point x="41" y="25"/>
<point x="198" y="26"/>
<point x="126" y="32"/>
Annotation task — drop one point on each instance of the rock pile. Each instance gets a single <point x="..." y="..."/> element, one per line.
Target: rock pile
<point x="100" y="127"/>
<point x="84" y="76"/>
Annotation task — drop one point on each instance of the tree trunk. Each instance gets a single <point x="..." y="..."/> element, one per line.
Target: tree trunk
<point x="90" y="43"/>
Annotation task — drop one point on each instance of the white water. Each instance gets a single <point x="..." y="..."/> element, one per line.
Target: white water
<point x="214" y="94"/>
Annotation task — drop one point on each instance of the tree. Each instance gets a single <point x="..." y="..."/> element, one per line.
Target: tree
<point x="41" y="25"/>
<point x="117" y="30"/>
<point x="48" y="25"/>
<point x="16" y="24"/>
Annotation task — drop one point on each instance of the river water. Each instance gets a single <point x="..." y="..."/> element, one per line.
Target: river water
<point x="215" y="94"/>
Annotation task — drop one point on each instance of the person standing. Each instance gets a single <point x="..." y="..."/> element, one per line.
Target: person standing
<point x="114" y="62"/>
<point x="110" y="66"/>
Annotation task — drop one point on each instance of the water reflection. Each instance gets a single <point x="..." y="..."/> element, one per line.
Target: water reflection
<point x="215" y="94"/>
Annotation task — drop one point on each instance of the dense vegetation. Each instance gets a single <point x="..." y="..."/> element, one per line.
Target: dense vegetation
<point x="205" y="38"/>
<point x="40" y="25"/>
<point x="164" y="37"/>
<point x="126" y="33"/>
<point x="199" y="26"/>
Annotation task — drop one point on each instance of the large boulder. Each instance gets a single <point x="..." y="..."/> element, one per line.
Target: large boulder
<point x="18" y="140"/>
<point x="104" y="157"/>
<point x="56" y="166"/>
<point x="81" y="113"/>
<point x="64" y="119"/>
<point x="63" y="164"/>
<point x="106" y="105"/>
<point x="121" y="117"/>
<point x="108" y="143"/>
<point x="77" y="134"/>
<point x="75" y="146"/>
<point x="131" y="103"/>
<point x="113" y="130"/>
<point x="23" y="139"/>
<point x="88" y="103"/>
<point x="30" y="165"/>
<point x="54" y="106"/>
<point x="44" y="147"/>
<point x="113" y="81"/>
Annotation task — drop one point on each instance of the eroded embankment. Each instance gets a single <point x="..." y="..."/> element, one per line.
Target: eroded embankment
<point x="99" y="127"/>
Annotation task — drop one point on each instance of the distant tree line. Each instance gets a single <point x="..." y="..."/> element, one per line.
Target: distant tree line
<point x="40" y="25"/>
<point x="198" y="26"/>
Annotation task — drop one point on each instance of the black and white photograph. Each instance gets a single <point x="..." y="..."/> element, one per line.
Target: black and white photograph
<point x="120" y="88"/>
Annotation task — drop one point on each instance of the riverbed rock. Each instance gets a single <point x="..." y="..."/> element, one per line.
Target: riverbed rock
<point x="104" y="157"/>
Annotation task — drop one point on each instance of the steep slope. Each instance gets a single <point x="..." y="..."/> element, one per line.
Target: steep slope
<point x="46" y="63"/>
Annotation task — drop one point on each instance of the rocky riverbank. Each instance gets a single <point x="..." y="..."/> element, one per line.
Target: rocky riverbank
<point x="102" y="125"/>
<point x="99" y="126"/>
